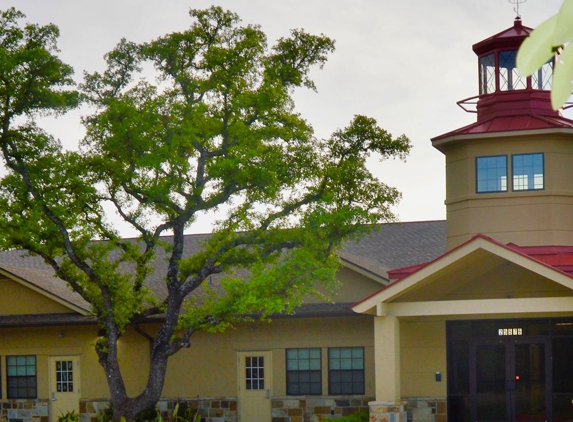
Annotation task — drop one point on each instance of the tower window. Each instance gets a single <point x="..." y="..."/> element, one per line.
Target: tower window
<point x="542" y="78"/>
<point x="528" y="171"/>
<point x="487" y="74"/>
<point x="491" y="174"/>
<point x="509" y="77"/>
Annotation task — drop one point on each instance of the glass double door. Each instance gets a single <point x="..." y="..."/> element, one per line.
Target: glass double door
<point x="510" y="380"/>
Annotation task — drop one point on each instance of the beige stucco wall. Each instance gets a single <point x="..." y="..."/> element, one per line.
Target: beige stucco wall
<point x="17" y="299"/>
<point x="351" y="287"/>
<point x="526" y="218"/>
<point x="207" y="369"/>
<point x="53" y="341"/>
<point x="422" y="353"/>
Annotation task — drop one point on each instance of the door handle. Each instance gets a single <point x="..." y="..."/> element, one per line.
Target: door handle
<point x="268" y="393"/>
<point x="53" y="396"/>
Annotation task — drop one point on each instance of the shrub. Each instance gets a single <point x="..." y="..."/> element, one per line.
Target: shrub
<point x="69" y="417"/>
<point x="354" y="417"/>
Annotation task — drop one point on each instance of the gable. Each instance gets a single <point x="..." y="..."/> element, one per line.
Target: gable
<point x="480" y="276"/>
<point x="486" y="276"/>
<point x="353" y="286"/>
<point x="17" y="299"/>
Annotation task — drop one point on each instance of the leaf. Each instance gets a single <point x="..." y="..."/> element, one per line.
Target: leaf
<point x="564" y="26"/>
<point x="537" y="49"/>
<point x="562" y="78"/>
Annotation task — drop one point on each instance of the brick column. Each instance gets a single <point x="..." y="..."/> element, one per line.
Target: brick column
<point x="388" y="411"/>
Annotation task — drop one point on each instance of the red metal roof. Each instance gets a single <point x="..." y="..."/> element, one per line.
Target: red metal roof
<point x="558" y="257"/>
<point x="511" y="123"/>
<point x="510" y="37"/>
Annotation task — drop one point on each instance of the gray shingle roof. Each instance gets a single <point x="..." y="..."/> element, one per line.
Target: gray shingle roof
<point x="388" y="246"/>
<point x="397" y="245"/>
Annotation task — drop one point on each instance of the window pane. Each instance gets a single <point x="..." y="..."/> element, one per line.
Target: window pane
<point x="542" y="78"/>
<point x="528" y="171"/>
<point x="509" y="77"/>
<point x="487" y="74"/>
<point x="346" y="370"/>
<point x="357" y="352"/>
<point x="346" y="363"/>
<point x="315" y="364"/>
<point x="292" y="365"/>
<point x="292" y="353"/>
<point x="491" y="174"/>
<point x="303" y="371"/>
<point x="357" y="363"/>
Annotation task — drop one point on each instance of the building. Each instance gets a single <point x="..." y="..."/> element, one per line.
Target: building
<point x="296" y="365"/>
<point x="468" y="319"/>
<point x="485" y="331"/>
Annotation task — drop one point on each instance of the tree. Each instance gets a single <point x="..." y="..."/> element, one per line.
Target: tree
<point x="550" y="40"/>
<point x="218" y="129"/>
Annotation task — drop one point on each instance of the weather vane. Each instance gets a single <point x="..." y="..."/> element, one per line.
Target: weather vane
<point x="516" y="8"/>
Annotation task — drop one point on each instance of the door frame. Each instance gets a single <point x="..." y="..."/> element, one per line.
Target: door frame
<point x="509" y="350"/>
<point x="267" y="392"/>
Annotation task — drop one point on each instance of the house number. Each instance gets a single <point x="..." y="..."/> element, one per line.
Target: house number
<point x="510" y="331"/>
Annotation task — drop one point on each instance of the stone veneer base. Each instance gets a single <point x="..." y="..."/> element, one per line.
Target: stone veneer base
<point x="388" y="411"/>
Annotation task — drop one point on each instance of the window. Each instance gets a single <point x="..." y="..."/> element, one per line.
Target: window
<point x="542" y="78"/>
<point x="527" y="171"/>
<point x="255" y="372"/>
<point x="346" y="370"/>
<point x="303" y="371"/>
<point x="509" y="77"/>
<point x="491" y="174"/>
<point x="487" y="74"/>
<point x="21" y="377"/>
<point x="64" y="376"/>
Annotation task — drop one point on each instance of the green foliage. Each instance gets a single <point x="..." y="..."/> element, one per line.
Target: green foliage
<point x="354" y="417"/>
<point x="216" y="130"/>
<point x="69" y="417"/>
<point x="548" y="40"/>
<point x="106" y="414"/>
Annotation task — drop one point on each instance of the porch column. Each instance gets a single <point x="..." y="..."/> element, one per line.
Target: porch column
<point x="387" y="357"/>
<point x="388" y="406"/>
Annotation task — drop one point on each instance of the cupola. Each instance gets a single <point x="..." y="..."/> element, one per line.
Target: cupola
<point x="502" y="90"/>
<point x="508" y="175"/>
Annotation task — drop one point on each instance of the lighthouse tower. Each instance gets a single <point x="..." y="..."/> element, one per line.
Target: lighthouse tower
<point x="510" y="174"/>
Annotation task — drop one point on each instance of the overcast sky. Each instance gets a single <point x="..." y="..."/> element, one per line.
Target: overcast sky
<point x="403" y="62"/>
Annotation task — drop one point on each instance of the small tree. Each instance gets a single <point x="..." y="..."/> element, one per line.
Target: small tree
<point x="217" y="131"/>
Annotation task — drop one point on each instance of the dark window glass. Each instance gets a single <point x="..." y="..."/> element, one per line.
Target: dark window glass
<point x="255" y="372"/>
<point x="491" y="174"/>
<point x="562" y="365"/>
<point x="487" y="74"/>
<point x="543" y="77"/>
<point x="509" y="77"/>
<point x="64" y="376"/>
<point x="303" y="368"/>
<point x="527" y="172"/>
<point x="21" y="377"/>
<point x="346" y="370"/>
